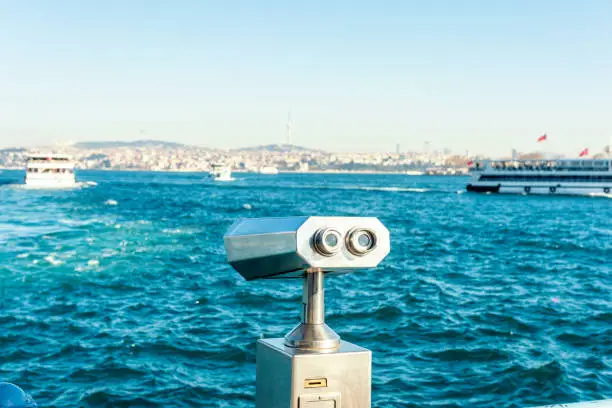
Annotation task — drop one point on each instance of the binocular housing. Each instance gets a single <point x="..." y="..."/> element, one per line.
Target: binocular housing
<point x="268" y="248"/>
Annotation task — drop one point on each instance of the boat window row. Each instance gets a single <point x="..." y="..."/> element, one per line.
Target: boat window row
<point x="550" y="165"/>
<point x="47" y="159"/>
<point x="553" y="178"/>
<point x="37" y="170"/>
<point x="546" y="168"/>
<point x="582" y="163"/>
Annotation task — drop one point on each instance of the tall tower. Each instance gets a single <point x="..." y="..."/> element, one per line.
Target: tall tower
<point x="288" y="128"/>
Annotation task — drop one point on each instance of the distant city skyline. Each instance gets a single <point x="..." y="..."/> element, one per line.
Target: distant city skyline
<point x="475" y="75"/>
<point x="543" y="148"/>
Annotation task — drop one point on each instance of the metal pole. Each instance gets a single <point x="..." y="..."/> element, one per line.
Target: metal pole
<point x="312" y="333"/>
<point x="313" y="300"/>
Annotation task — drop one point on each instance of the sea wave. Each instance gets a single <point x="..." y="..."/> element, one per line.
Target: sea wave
<point x="483" y="300"/>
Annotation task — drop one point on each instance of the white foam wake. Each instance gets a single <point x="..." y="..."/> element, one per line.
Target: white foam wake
<point x="600" y="195"/>
<point x="383" y="188"/>
<point x="77" y="185"/>
<point x="395" y="189"/>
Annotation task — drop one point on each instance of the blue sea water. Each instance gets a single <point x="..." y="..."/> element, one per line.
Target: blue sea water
<point x="118" y="295"/>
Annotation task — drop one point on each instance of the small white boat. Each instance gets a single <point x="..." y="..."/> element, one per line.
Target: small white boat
<point x="268" y="170"/>
<point x="49" y="171"/>
<point x="221" y="172"/>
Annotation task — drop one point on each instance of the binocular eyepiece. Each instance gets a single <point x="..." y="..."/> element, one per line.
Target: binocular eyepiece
<point x="358" y="241"/>
<point x="265" y="248"/>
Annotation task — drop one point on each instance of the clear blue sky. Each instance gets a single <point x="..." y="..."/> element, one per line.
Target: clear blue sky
<point x="481" y="75"/>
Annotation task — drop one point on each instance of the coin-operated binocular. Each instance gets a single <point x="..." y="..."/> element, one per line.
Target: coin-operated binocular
<point x="311" y="367"/>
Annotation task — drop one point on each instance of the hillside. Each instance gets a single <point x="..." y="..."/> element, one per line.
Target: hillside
<point x="136" y="143"/>
<point x="276" y="148"/>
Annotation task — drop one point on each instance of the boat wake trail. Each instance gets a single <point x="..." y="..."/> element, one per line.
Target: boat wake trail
<point x="604" y="195"/>
<point x="386" y="189"/>
<point x="393" y="189"/>
<point x="77" y="185"/>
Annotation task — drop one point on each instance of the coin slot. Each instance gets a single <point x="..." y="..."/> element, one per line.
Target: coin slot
<point x="315" y="382"/>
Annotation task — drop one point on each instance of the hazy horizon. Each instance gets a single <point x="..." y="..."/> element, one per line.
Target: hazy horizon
<point x="346" y="149"/>
<point x="473" y="75"/>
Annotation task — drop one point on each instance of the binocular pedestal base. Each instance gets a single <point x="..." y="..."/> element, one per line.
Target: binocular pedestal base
<point x="292" y="378"/>
<point x="316" y="337"/>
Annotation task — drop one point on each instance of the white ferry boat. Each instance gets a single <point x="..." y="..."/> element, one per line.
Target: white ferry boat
<point x="563" y="176"/>
<point x="268" y="170"/>
<point x="221" y="172"/>
<point x="49" y="171"/>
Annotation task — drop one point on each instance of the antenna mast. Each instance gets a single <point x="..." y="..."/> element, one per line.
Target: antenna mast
<point x="288" y="128"/>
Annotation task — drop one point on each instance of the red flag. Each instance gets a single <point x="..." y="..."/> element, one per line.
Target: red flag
<point x="542" y="138"/>
<point x="470" y="162"/>
<point x="584" y="152"/>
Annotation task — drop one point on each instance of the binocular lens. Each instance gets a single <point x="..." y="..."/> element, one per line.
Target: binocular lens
<point x="364" y="240"/>
<point x="331" y="240"/>
<point x="327" y="241"/>
<point x="360" y="241"/>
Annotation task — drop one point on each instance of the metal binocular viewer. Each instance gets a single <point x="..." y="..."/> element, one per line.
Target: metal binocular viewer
<point x="311" y="367"/>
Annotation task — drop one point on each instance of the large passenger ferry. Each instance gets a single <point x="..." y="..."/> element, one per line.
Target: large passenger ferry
<point x="563" y="176"/>
<point x="49" y="170"/>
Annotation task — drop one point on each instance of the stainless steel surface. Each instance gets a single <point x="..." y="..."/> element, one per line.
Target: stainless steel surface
<point x="265" y="248"/>
<point x="315" y="337"/>
<point x="327" y="400"/>
<point x="312" y="333"/>
<point x="313" y="298"/>
<point x="282" y="373"/>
